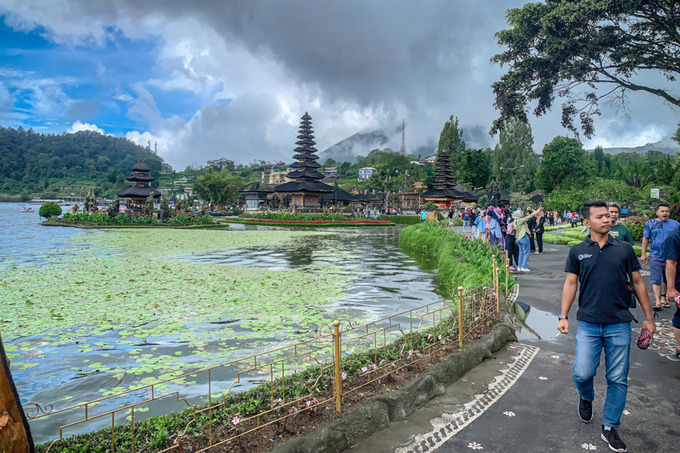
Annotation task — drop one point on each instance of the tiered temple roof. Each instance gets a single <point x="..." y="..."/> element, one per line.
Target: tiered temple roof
<point x="140" y="190"/>
<point x="305" y="176"/>
<point x="305" y="188"/>
<point x="443" y="188"/>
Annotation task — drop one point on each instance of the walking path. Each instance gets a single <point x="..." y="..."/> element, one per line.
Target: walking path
<point x="524" y="400"/>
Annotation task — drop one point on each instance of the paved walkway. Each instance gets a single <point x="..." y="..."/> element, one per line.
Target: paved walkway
<point x="524" y="400"/>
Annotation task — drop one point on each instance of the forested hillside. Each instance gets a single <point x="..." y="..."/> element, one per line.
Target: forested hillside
<point x="32" y="162"/>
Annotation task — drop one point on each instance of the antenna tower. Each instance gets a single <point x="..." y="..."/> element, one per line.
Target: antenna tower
<point x="402" y="150"/>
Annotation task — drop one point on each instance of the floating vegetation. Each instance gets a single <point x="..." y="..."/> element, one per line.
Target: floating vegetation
<point x="129" y="304"/>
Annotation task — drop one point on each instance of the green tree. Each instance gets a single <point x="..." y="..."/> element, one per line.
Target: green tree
<point x="603" y="162"/>
<point x="664" y="171"/>
<point x="561" y="199"/>
<point x="638" y="174"/>
<point x="50" y="209"/>
<point x="514" y="162"/>
<point x="570" y="48"/>
<point x="451" y="141"/>
<point x="149" y="204"/>
<point x="164" y="211"/>
<point x="565" y="164"/>
<point x="218" y="188"/>
<point x="475" y="169"/>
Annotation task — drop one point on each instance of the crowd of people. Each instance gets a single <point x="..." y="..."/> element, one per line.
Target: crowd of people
<point x="605" y="273"/>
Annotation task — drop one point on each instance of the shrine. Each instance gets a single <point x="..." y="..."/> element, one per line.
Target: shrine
<point x="305" y="189"/>
<point x="140" y="191"/>
<point x="443" y="193"/>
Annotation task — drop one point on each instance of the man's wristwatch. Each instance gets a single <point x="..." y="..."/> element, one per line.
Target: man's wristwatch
<point x="560" y="317"/>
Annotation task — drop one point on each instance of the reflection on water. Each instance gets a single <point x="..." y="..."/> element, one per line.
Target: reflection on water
<point x="381" y="281"/>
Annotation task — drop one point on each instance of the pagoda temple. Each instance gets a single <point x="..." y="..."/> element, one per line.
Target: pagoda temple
<point x="443" y="193"/>
<point x="141" y="188"/>
<point x="305" y="189"/>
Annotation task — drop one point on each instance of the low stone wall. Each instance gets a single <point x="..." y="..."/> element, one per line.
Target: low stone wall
<point x="347" y="431"/>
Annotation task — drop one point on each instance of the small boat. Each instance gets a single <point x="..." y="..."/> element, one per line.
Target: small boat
<point x="25" y="209"/>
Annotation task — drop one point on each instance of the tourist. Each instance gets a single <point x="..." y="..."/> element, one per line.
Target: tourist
<point x="531" y="224"/>
<point x="655" y="233"/>
<point x="423" y="215"/>
<point x="671" y="253"/>
<point x="494" y="226"/>
<point x="450" y="216"/>
<point x="618" y="231"/>
<point x="539" y="229"/>
<point x="598" y="268"/>
<point x="510" y="245"/>
<point x="480" y="224"/>
<point x="466" y="219"/>
<point x="522" y="238"/>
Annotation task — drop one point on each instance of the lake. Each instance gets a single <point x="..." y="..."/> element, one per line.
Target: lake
<point x="85" y="313"/>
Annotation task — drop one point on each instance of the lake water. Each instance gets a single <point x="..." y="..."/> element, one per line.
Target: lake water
<point x="377" y="278"/>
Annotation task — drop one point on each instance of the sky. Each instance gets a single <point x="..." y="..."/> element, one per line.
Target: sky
<point x="215" y="79"/>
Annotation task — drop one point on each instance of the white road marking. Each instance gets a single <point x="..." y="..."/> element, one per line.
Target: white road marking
<point x="448" y="425"/>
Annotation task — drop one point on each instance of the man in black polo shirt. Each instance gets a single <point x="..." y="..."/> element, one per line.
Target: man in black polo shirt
<point x="601" y="265"/>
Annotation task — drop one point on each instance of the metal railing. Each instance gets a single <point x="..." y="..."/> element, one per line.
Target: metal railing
<point x="282" y="382"/>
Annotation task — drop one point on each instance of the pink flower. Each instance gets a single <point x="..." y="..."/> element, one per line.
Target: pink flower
<point x="235" y="421"/>
<point x="429" y="336"/>
<point x="410" y="352"/>
<point x="440" y="337"/>
<point x="344" y="376"/>
<point x="364" y="369"/>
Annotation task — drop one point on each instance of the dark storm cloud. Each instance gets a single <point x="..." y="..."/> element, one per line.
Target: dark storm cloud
<point x="355" y="65"/>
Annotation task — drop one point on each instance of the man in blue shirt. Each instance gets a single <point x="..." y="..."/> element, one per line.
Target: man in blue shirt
<point x="598" y="268"/>
<point x="655" y="233"/>
<point x="671" y="252"/>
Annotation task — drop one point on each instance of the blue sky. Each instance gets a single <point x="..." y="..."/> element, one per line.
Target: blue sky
<point x="215" y="79"/>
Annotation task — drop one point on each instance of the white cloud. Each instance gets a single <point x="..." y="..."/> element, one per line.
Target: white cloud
<point x="6" y="99"/>
<point x="255" y="67"/>
<point x="78" y="126"/>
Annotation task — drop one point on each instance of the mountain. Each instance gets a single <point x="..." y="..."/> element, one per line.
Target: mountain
<point x="666" y="146"/>
<point x="33" y="161"/>
<point x="359" y="144"/>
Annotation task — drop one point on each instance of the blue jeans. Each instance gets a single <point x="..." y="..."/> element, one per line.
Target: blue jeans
<point x="590" y="339"/>
<point x="523" y="245"/>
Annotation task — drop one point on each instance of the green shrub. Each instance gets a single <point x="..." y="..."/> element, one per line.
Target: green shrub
<point x="459" y="262"/>
<point x="401" y="219"/>
<point x="636" y="229"/>
<point x="303" y="216"/>
<point x="555" y="239"/>
<point x="50" y="209"/>
<point x="575" y="233"/>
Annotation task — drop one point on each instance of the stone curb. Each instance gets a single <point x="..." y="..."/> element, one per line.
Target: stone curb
<point x="347" y="431"/>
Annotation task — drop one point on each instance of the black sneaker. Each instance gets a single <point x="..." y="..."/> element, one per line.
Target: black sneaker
<point x="612" y="438"/>
<point x="585" y="410"/>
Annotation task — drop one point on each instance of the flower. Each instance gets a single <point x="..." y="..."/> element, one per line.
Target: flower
<point x="344" y="376"/>
<point x="440" y="337"/>
<point x="430" y="336"/>
<point x="410" y="352"/>
<point x="235" y="421"/>
<point x="364" y="369"/>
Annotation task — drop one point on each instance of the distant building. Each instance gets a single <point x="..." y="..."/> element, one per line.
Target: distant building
<point x="140" y="191"/>
<point x="366" y="172"/>
<point x="278" y="177"/>
<point x="331" y="172"/>
<point x="304" y="188"/>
